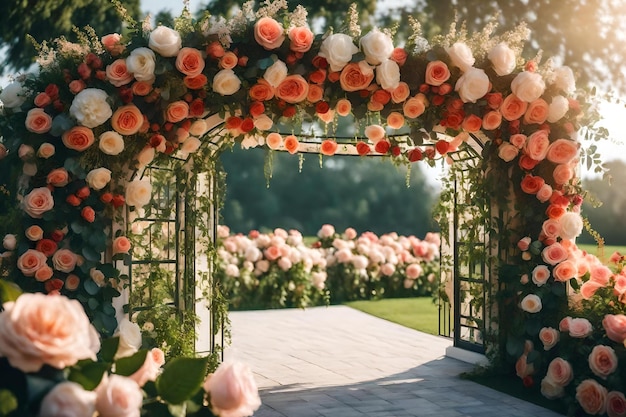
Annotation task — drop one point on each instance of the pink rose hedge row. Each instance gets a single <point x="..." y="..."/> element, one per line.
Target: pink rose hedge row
<point x="95" y="110"/>
<point x="277" y="270"/>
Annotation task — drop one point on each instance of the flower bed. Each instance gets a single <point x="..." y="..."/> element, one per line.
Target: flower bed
<point x="277" y="270"/>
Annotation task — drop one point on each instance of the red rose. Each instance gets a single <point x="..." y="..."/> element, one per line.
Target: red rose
<point x="106" y="198"/>
<point x="322" y="107"/>
<point x="415" y="155"/>
<point x="382" y="146"/>
<point x="46" y="246"/>
<point x="531" y="184"/>
<point x="442" y="146"/>
<point x="53" y="285"/>
<point x="363" y="148"/>
<point x="53" y="91"/>
<point x="72" y="200"/>
<point x="88" y="214"/>
<point x="395" y="151"/>
<point x="118" y="200"/>
<point x="83" y="193"/>
<point x="257" y="108"/>
<point x="57" y="236"/>
<point x="247" y="125"/>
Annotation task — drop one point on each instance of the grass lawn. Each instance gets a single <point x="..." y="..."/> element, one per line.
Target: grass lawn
<point x="604" y="253"/>
<point x="419" y="313"/>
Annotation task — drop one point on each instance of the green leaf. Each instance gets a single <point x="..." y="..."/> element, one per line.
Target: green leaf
<point x="514" y="346"/>
<point x="90" y="254"/>
<point x="77" y="227"/>
<point x="8" y="402"/>
<point x="9" y="291"/>
<point x="181" y="378"/>
<point x="108" y="347"/>
<point x="93" y="303"/>
<point x="89" y="375"/>
<point x="91" y="287"/>
<point x="574" y="283"/>
<point x="129" y="365"/>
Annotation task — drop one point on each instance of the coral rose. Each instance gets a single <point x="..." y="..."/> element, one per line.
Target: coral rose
<point x="274" y="140"/>
<point x="232" y="390"/>
<point x="38" y="121"/>
<point x="356" y="76"/>
<point x="262" y="91"/>
<point x="591" y="396"/>
<point x="269" y="33"/>
<point x="437" y="73"/>
<point x="513" y="108"/>
<point x="492" y="120"/>
<point x="549" y="337"/>
<point x="78" y="138"/>
<point x="39" y="330"/>
<point x="472" y="123"/>
<point x="177" y="111"/>
<point x="565" y="271"/>
<point x="58" y="177"/>
<point x="562" y="151"/>
<point x="121" y="244"/>
<point x="615" y="327"/>
<point x="531" y="184"/>
<point x="395" y="120"/>
<point x="400" y="93"/>
<point x="343" y="107"/>
<point x="118" y="74"/>
<point x="195" y="83"/>
<point x="291" y="144"/>
<point x="293" y="89"/>
<point x="127" y="120"/>
<point x="537" y="145"/>
<point x="537" y="112"/>
<point x="31" y="261"/>
<point x="328" y="147"/>
<point x="189" y="61"/>
<point x="414" y="106"/>
<point x="300" y="39"/>
<point x="562" y="174"/>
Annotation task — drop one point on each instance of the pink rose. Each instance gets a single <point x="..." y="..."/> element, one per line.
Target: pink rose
<point x="31" y="261"/>
<point x="565" y="271"/>
<point x="58" y="177"/>
<point x="602" y="361"/>
<point x="300" y="39"/>
<point x="150" y="368"/>
<point x="537" y="145"/>
<point x="118" y="74"/>
<point x="413" y="271"/>
<point x="560" y="371"/>
<point x="564" y="324"/>
<point x="68" y="399"/>
<point x="562" y="174"/>
<point x="118" y="396"/>
<point x="414" y="106"/>
<point x="190" y="62"/>
<point x="544" y="193"/>
<point x="531" y="303"/>
<point x="64" y="260"/>
<point x="268" y="33"/>
<point x="78" y="138"/>
<point x="580" y="328"/>
<point x="518" y="140"/>
<point x="616" y="404"/>
<point x="437" y="73"/>
<point x="562" y="151"/>
<point x="523" y="368"/>
<point x="327" y="230"/>
<point x="37" y="329"/>
<point x="112" y="43"/>
<point x="601" y="274"/>
<point x="232" y="390"/>
<point x="549" y="336"/>
<point x="34" y="233"/>
<point x="591" y="396"/>
<point x="272" y="253"/>
<point x="554" y="254"/>
<point x="37" y="202"/>
<point x="293" y="89"/>
<point x="524" y="243"/>
<point x="615" y="327"/>
<point x="540" y="275"/>
<point x="537" y="112"/>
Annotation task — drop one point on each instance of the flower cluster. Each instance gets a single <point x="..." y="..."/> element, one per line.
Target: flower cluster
<point x="47" y="343"/>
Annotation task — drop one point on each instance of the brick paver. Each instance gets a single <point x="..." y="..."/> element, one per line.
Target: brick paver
<point x="339" y="362"/>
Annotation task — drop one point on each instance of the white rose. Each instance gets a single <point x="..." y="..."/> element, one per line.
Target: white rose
<point x="388" y="75"/>
<point x="145" y="156"/>
<point x="118" y="396"/>
<point x="507" y="151"/>
<point x="90" y="107"/>
<point x="531" y="303"/>
<point x="111" y="143"/>
<point x="12" y="96"/>
<point x="141" y="63"/>
<point x="226" y="82"/>
<point x="338" y="50"/>
<point x="564" y="79"/>
<point x="199" y="128"/>
<point x="68" y="399"/>
<point x="138" y="193"/>
<point x="97" y="276"/>
<point x="98" y="178"/>
<point x="9" y="242"/>
<point x="165" y="41"/>
<point x="461" y="56"/>
<point x="472" y="85"/>
<point x="130" y="338"/>
<point x="503" y="59"/>
<point x="190" y="145"/>
<point x="249" y="141"/>
<point x="558" y="107"/>
<point x="528" y="86"/>
<point x="376" y="46"/>
<point x="276" y="73"/>
<point x="263" y="122"/>
<point x="571" y="225"/>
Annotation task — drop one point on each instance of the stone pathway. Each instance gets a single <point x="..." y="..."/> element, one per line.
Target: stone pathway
<point x="339" y="362"/>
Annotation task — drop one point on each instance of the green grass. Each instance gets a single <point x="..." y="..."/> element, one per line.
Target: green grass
<point x="419" y="313"/>
<point x="603" y="254"/>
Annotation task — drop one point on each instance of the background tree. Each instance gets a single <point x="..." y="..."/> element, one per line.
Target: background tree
<point x="47" y="20"/>
<point x="364" y="193"/>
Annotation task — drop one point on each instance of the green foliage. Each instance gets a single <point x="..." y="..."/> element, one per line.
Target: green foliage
<point x="181" y="379"/>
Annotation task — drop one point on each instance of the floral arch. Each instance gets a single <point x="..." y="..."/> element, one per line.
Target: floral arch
<point x="77" y="136"/>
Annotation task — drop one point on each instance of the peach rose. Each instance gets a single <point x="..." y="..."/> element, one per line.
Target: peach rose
<point x="395" y="120"/>
<point x="118" y="74"/>
<point x="472" y="123"/>
<point x="64" y="260"/>
<point x="34" y="233"/>
<point x="37" y="202"/>
<point x="518" y="140"/>
<point x="554" y="253"/>
<point x="591" y="396"/>
<point x="399" y="55"/>
<point x="579" y="328"/>
<point x="111" y="43"/>
<point x="190" y="145"/>
<point x="293" y="89"/>
<point x="269" y="33"/>
<point x="537" y="112"/>
<point x="513" y="108"/>
<point x="145" y="156"/>
<point x="68" y="399"/>
<point x="58" y="177"/>
<point x="328" y="147"/>
<point x="400" y="93"/>
<point x="507" y="152"/>
<point x="229" y="60"/>
<point x="562" y="174"/>
<point x="46" y="150"/>
<point x="98" y="178"/>
<point x="300" y="39"/>
<point x="143" y="88"/>
<point x="78" y="138"/>
<point x="560" y="371"/>
<point x="616" y="404"/>
<point x="274" y="140"/>
<point x="492" y="120"/>
<point x="602" y="361"/>
<point x="549" y="336"/>
<point x="415" y="106"/>
<point x="121" y="244"/>
<point x="615" y="327"/>
<point x="291" y="144"/>
<point x="232" y="390"/>
<point x="343" y="107"/>
<point x="38" y="121"/>
<point x="375" y="133"/>
<point x="42" y="330"/>
<point x="226" y="82"/>
<point x="118" y="396"/>
<point x="551" y="228"/>
<point x="150" y="368"/>
<point x="44" y="273"/>
<point x="138" y="193"/>
<point x="544" y="193"/>
<point x="189" y="61"/>
<point x="31" y="261"/>
<point x="315" y="94"/>
<point x="111" y="143"/>
<point x="531" y="303"/>
<point x="562" y="151"/>
<point x="437" y="73"/>
<point x="537" y="145"/>
<point x="558" y="108"/>
<point x="262" y="91"/>
<point x="127" y="120"/>
<point x="540" y="275"/>
<point x="177" y="111"/>
<point x="565" y="271"/>
<point x="356" y="76"/>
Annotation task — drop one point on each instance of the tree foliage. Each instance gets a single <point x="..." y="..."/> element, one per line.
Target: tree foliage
<point x="47" y="20"/>
<point x="364" y="193"/>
